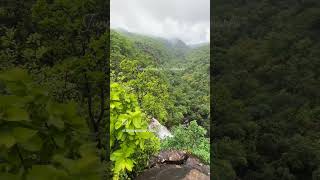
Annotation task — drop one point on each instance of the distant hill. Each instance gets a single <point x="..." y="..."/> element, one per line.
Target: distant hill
<point x="160" y="48"/>
<point x="186" y="72"/>
<point x="199" y="45"/>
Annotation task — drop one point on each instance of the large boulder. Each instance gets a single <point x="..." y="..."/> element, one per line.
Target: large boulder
<point x="172" y="172"/>
<point x="195" y="163"/>
<point x="175" y="165"/>
<point x="194" y="174"/>
<point x="169" y="157"/>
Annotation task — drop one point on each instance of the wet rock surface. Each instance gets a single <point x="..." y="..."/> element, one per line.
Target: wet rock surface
<point x="195" y="174"/>
<point x="172" y="157"/>
<point x="161" y="131"/>
<point x="195" y="163"/>
<point x="175" y="165"/>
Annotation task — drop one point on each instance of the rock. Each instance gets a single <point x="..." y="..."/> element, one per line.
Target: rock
<point x="196" y="175"/>
<point x="168" y="157"/>
<point x="166" y="172"/>
<point x="175" y="165"/>
<point x="172" y="172"/>
<point x="172" y="156"/>
<point x="196" y="164"/>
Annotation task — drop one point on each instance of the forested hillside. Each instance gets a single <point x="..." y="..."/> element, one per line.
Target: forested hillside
<point x="169" y="82"/>
<point x="54" y="94"/>
<point x="53" y="89"/>
<point x="178" y="74"/>
<point x="266" y="90"/>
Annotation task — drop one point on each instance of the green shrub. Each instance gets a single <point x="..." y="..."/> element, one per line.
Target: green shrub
<point x="128" y="148"/>
<point x="40" y="138"/>
<point x="192" y="139"/>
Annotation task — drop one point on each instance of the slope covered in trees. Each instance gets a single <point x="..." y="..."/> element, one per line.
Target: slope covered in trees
<point x="54" y="66"/>
<point x="54" y="93"/>
<point x="180" y="75"/>
<point x="171" y="83"/>
<point x="266" y="89"/>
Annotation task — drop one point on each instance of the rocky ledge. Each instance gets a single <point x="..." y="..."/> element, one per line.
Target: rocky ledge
<point x="175" y="165"/>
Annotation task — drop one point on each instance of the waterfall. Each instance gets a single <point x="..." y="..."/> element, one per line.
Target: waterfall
<point x="161" y="131"/>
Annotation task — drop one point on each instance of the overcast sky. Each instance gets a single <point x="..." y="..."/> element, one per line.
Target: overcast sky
<point x="188" y="20"/>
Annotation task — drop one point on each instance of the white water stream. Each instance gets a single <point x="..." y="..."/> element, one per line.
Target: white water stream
<point x="161" y="131"/>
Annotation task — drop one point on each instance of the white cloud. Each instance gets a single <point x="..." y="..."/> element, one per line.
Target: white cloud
<point x="188" y="20"/>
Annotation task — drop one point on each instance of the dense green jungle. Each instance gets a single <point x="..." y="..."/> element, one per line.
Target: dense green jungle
<point x="70" y="88"/>
<point x="265" y="88"/>
<point x="170" y="82"/>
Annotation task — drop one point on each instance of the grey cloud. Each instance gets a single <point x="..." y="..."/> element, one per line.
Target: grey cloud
<point x="188" y="20"/>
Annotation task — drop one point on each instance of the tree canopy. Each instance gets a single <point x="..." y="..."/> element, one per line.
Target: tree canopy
<point x="265" y="89"/>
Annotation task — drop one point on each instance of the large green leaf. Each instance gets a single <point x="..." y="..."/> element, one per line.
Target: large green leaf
<point x="56" y="121"/>
<point x="46" y="172"/>
<point x="23" y="134"/>
<point x="121" y="121"/>
<point x="88" y="149"/>
<point x="9" y="176"/>
<point x="120" y="135"/>
<point x="115" y="96"/>
<point x="66" y="163"/>
<point x="16" y="114"/>
<point x="123" y="164"/>
<point x="116" y="155"/>
<point x="12" y="100"/>
<point x="86" y="163"/>
<point x="59" y="139"/>
<point x="34" y="144"/>
<point x="7" y="139"/>
<point x="136" y="119"/>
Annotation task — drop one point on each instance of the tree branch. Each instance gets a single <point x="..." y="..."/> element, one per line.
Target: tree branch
<point x="20" y="156"/>
<point x="102" y="104"/>
<point x="88" y="89"/>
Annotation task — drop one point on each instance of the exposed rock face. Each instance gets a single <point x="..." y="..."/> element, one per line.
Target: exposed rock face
<point x="195" y="174"/>
<point x="161" y="131"/>
<point x="165" y="172"/>
<point x="175" y="165"/>
<point x="195" y="163"/>
<point x="169" y="157"/>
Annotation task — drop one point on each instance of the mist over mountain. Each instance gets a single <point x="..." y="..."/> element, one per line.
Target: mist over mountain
<point x="188" y="21"/>
<point x="196" y="45"/>
<point x="170" y="42"/>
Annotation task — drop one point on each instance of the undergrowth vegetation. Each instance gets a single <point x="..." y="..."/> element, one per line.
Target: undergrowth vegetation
<point x="129" y="135"/>
<point x="191" y="139"/>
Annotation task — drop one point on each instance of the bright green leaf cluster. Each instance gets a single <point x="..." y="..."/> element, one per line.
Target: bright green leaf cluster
<point x="40" y="138"/>
<point x="128" y="130"/>
<point x="192" y="139"/>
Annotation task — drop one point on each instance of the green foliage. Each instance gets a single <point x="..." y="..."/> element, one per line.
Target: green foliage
<point x="128" y="132"/>
<point x="40" y="138"/>
<point x="265" y="89"/>
<point x="190" y="87"/>
<point x="191" y="139"/>
<point x="147" y="65"/>
<point x="136" y="70"/>
<point x="64" y="46"/>
<point x="224" y="170"/>
<point x="143" y="65"/>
